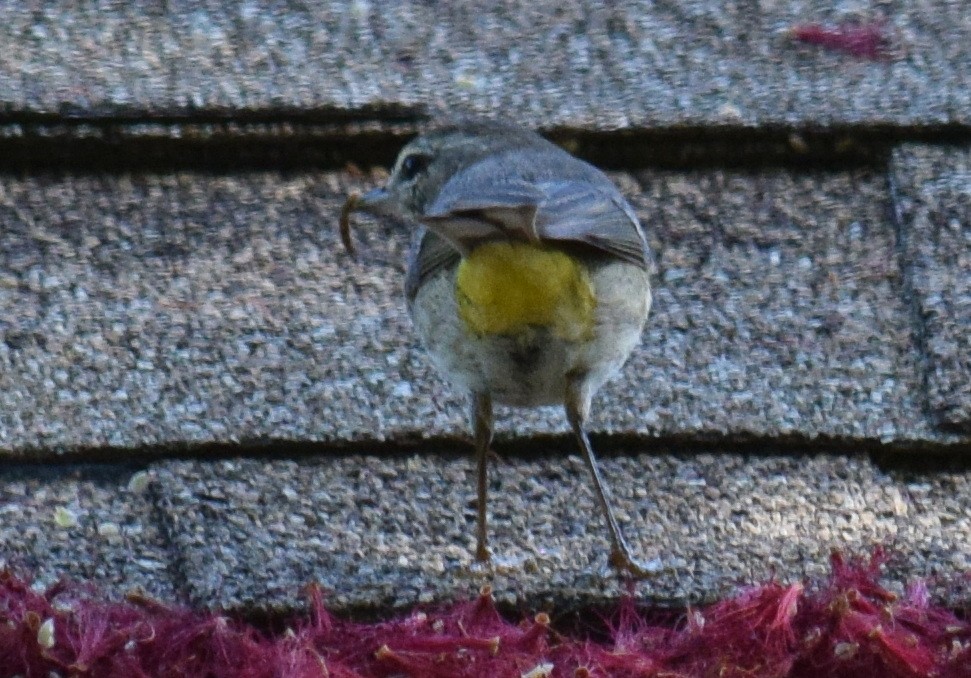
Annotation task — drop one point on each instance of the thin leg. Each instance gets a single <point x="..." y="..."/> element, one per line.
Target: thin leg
<point x="482" y="422"/>
<point x="577" y="410"/>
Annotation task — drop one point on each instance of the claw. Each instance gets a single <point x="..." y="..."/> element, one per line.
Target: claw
<point x="625" y="563"/>
<point x="482" y="554"/>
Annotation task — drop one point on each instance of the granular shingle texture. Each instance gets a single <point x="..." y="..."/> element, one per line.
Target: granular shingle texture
<point x="89" y="523"/>
<point x="933" y="201"/>
<point x="180" y="309"/>
<point x="171" y="279"/>
<point x="397" y="531"/>
<point x="778" y="308"/>
<point x="579" y="64"/>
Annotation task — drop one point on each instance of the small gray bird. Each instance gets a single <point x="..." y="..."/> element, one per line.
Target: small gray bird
<point x="527" y="282"/>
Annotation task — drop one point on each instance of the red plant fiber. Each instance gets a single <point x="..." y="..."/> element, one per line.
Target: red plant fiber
<point x="847" y="626"/>
<point x="867" y="41"/>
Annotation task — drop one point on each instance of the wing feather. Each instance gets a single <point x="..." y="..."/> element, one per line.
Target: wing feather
<point x="429" y="254"/>
<point x="576" y="211"/>
<point x="487" y="201"/>
<point x="479" y="194"/>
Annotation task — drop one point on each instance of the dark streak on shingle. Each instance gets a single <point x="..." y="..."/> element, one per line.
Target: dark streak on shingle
<point x="934" y="203"/>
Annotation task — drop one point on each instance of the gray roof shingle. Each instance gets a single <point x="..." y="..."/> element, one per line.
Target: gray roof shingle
<point x="584" y="65"/>
<point x="185" y="309"/>
<point x="171" y="279"/>
<point x="395" y="531"/>
<point x="934" y="204"/>
<point x="88" y="523"/>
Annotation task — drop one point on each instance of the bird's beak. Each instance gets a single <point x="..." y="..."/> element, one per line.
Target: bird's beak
<point x="377" y="201"/>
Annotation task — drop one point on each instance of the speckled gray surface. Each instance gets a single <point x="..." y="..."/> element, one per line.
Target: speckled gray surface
<point x="90" y="524"/>
<point x="143" y="313"/>
<point x="934" y="204"/>
<point x="156" y="310"/>
<point x="189" y="308"/>
<point x="778" y="309"/>
<point x="397" y="531"/>
<point x="579" y="64"/>
<point x="381" y="531"/>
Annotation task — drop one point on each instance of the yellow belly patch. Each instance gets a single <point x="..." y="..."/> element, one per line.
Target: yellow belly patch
<point x="507" y="287"/>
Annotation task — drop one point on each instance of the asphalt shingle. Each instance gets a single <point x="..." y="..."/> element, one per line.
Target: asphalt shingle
<point x="579" y="64"/>
<point x="778" y="309"/>
<point x="141" y="313"/>
<point x="396" y="531"/>
<point x="92" y="524"/>
<point x="179" y="309"/>
<point x="933" y="201"/>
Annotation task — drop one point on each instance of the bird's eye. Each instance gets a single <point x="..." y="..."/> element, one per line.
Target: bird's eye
<point x="412" y="165"/>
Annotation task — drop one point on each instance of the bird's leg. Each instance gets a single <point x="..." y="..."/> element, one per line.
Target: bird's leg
<point x="482" y="424"/>
<point x="577" y="410"/>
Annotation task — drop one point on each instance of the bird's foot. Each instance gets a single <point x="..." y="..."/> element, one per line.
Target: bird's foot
<point x="482" y="554"/>
<point x="625" y="563"/>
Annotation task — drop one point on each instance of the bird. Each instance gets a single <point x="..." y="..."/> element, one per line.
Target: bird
<point x="527" y="280"/>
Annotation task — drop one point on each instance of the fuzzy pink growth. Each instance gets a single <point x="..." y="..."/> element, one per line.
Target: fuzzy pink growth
<point x="849" y="625"/>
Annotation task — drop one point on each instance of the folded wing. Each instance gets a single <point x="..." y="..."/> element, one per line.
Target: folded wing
<point x="486" y="202"/>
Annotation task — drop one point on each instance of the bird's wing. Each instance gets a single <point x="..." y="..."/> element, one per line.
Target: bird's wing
<point x="429" y="254"/>
<point x="486" y="201"/>
<point x="472" y="207"/>
<point x="596" y="215"/>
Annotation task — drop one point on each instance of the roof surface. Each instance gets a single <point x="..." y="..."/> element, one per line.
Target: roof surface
<point x="201" y="394"/>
